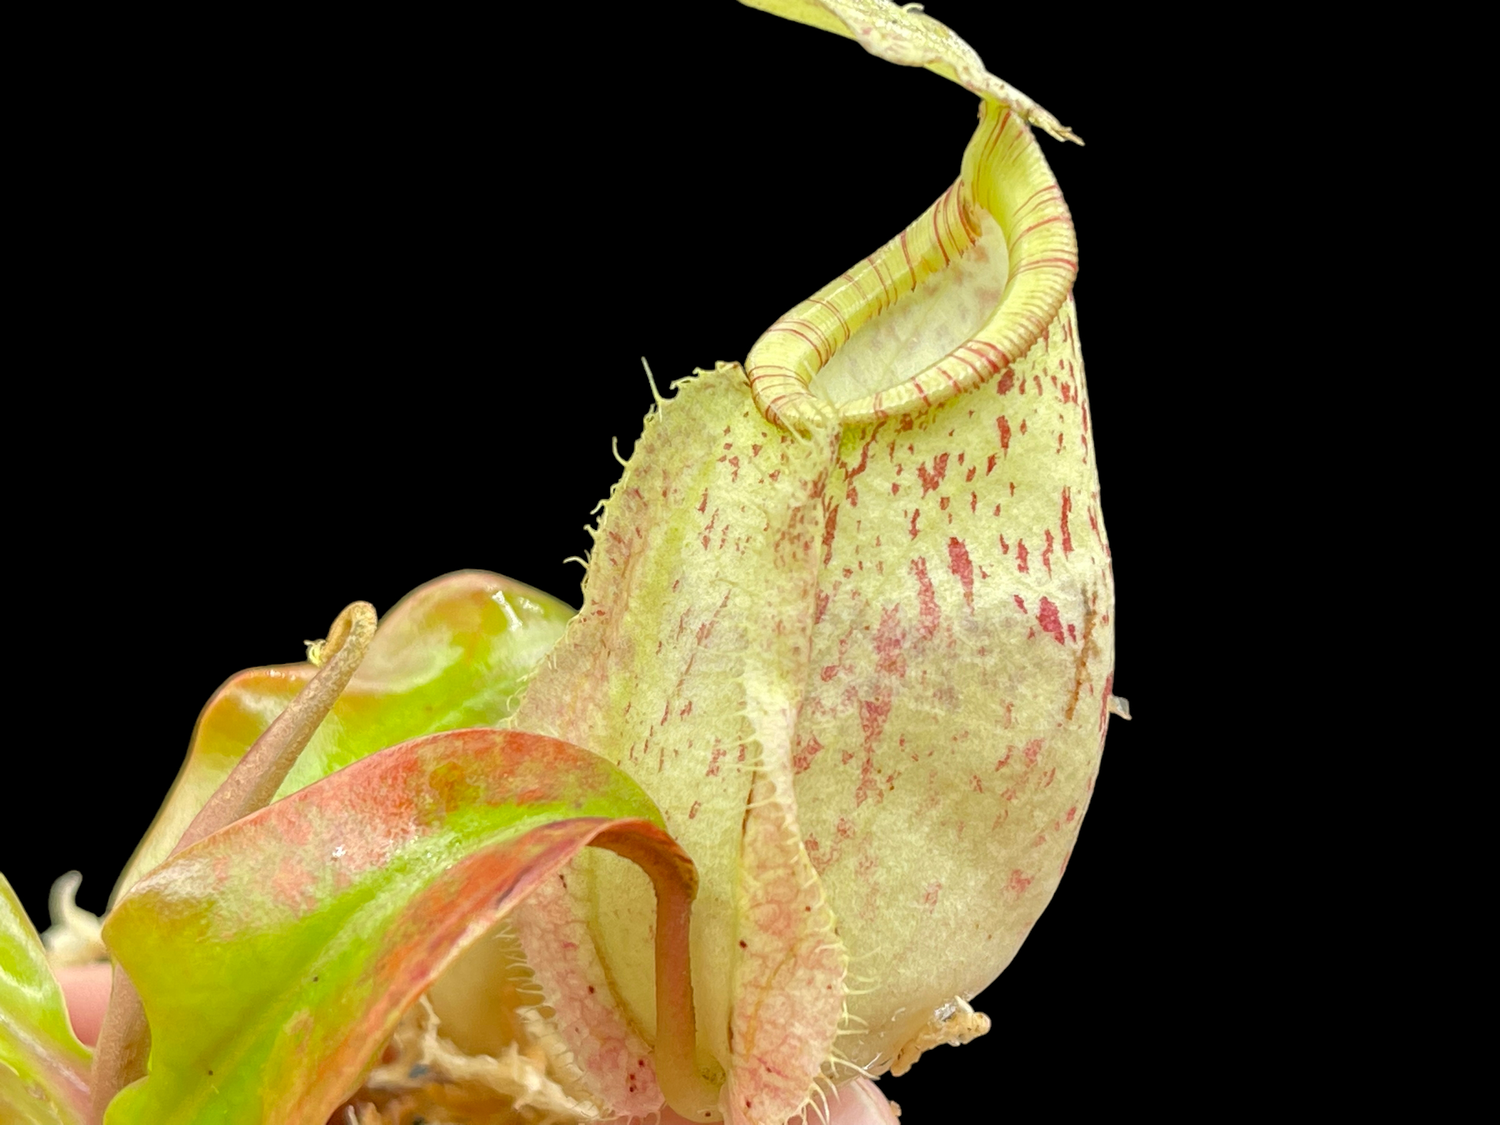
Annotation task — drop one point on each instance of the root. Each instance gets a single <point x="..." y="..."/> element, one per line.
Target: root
<point x="425" y="1077"/>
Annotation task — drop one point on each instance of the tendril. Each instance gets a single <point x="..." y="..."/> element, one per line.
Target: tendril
<point x="256" y="777"/>
<point x="125" y="1037"/>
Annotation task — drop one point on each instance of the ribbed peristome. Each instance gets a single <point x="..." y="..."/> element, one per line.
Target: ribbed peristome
<point x="1003" y="174"/>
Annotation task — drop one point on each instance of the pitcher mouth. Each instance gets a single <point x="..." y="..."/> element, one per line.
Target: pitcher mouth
<point x="1006" y="198"/>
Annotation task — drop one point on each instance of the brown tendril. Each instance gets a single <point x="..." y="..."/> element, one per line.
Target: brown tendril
<point x="256" y="777"/>
<point x="125" y="1037"/>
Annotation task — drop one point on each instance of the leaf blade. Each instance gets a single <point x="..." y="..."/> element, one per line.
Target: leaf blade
<point x="43" y="1068"/>
<point x="272" y="968"/>
<point x="453" y="653"/>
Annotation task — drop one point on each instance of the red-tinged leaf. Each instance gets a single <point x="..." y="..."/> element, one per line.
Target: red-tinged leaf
<point x="275" y="957"/>
<point x="453" y="653"/>
<point x="43" y="1068"/>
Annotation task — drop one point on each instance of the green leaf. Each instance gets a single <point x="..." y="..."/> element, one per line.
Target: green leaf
<point x="453" y="653"/>
<point x="43" y="1068"/>
<point x="275" y="957"/>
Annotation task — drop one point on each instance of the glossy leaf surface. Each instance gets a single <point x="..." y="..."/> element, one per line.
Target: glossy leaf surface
<point x="275" y="957"/>
<point x="43" y="1068"/>
<point x="452" y="654"/>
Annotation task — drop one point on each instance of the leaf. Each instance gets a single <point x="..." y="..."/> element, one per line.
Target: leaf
<point x="276" y="956"/>
<point x="453" y="653"/>
<point x="43" y="1068"/>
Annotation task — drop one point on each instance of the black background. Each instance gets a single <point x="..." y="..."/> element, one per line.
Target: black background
<point x="305" y="325"/>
